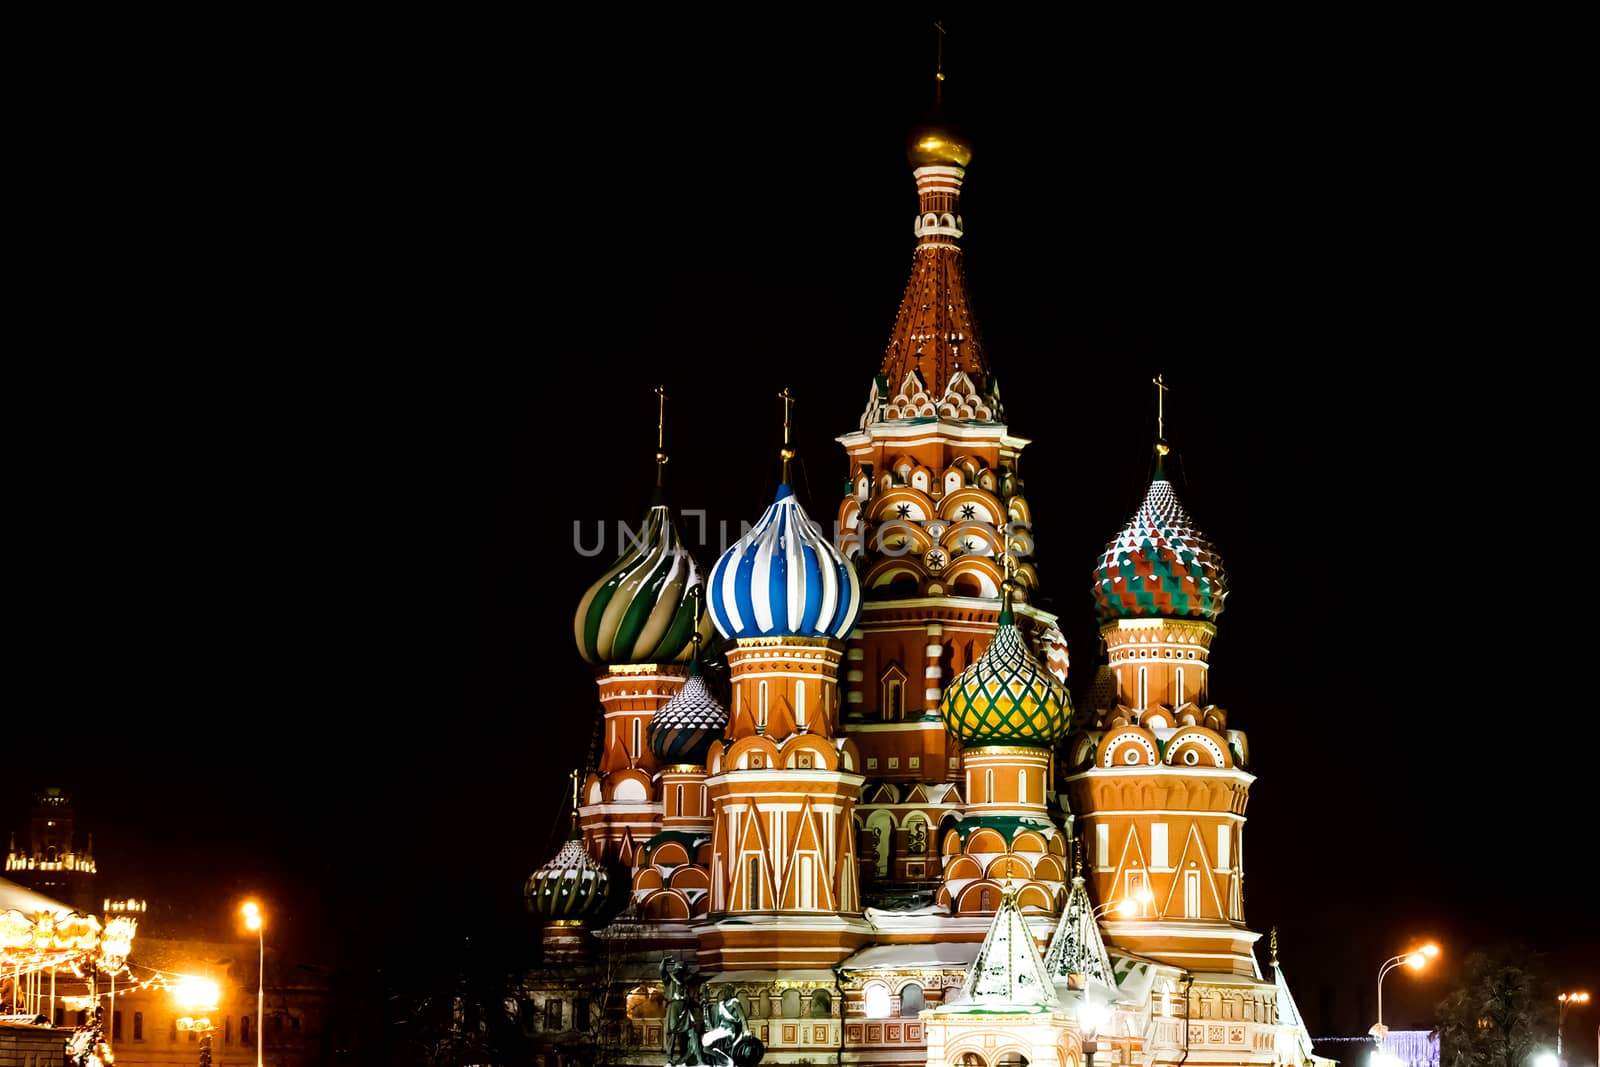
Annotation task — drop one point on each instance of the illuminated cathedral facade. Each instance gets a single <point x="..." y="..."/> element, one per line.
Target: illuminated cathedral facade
<point x="879" y="822"/>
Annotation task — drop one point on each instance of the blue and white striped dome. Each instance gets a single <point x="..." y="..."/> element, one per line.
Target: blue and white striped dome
<point x="784" y="578"/>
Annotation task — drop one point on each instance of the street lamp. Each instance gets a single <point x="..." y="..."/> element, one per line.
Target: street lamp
<point x="199" y="995"/>
<point x="1566" y="1000"/>
<point x="1416" y="959"/>
<point x="255" y="920"/>
<point x="1127" y="907"/>
<point x="1091" y="1017"/>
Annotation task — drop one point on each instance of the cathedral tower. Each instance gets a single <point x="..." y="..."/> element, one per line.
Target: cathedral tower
<point x="934" y="501"/>
<point x="1157" y="780"/>
<point x="568" y="894"/>
<point x="1008" y="712"/>
<point x="784" y="784"/>
<point x="672" y="874"/>
<point x="638" y="623"/>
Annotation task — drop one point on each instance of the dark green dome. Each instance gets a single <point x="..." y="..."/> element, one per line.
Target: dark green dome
<point x="682" y="730"/>
<point x="571" y="886"/>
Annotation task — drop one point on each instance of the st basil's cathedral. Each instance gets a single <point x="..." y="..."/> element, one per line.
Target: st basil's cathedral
<point x="841" y="781"/>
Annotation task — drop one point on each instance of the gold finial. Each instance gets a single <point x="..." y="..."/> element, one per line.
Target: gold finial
<point x="694" y="594"/>
<point x="661" y="431"/>
<point x="1077" y="858"/>
<point x="1274" y="943"/>
<point x="1009" y="563"/>
<point x="788" y="453"/>
<point x="573" y="774"/>
<point x="938" y="72"/>
<point x="1159" y="381"/>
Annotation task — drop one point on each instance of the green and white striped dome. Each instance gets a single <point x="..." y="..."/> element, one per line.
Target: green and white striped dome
<point x="646" y="607"/>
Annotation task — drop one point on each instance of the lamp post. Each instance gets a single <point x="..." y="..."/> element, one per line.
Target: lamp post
<point x="199" y="995"/>
<point x="1091" y="1017"/>
<point x="1566" y="1000"/>
<point x="1416" y="959"/>
<point x="255" y="920"/>
<point x="1127" y="907"/>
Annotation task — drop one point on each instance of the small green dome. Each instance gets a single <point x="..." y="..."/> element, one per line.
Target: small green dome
<point x="682" y="730"/>
<point x="571" y="886"/>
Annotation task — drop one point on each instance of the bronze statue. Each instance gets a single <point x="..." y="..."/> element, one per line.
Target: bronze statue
<point x="680" y="1037"/>
<point x="730" y="1043"/>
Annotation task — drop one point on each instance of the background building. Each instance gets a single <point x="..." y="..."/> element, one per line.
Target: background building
<point x="140" y="1010"/>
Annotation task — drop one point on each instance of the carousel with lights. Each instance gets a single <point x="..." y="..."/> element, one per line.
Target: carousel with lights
<point x="51" y="954"/>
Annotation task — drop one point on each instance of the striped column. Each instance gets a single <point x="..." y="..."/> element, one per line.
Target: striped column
<point x="855" y="682"/>
<point x="934" y="673"/>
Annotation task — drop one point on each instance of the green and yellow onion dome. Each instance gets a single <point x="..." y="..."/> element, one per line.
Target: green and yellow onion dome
<point x="682" y="730"/>
<point x="1160" y="566"/>
<point x="642" y="610"/>
<point x="1006" y="697"/>
<point x="571" y="886"/>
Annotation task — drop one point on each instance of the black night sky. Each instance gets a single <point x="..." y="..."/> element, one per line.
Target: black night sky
<point x="326" y="348"/>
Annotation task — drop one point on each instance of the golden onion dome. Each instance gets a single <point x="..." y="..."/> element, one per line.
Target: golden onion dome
<point x="936" y="145"/>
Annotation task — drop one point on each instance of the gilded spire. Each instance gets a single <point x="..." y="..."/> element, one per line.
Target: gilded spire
<point x="695" y="594"/>
<point x="573" y="833"/>
<point x="788" y="452"/>
<point x="661" y="433"/>
<point x="1273" y="942"/>
<point x="1162" y="448"/>
<point x="934" y="366"/>
<point x="1009" y="563"/>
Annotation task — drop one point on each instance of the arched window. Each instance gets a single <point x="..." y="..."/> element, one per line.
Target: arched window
<point x="637" y="727"/>
<point x="799" y="704"/>
<point x="877" y="1002"/>
<point x="910" y="1001"/>
<point x="821" y="1004"/>
<point x="1144" y="688"/>
<point x="1177" y="701"/>
<point x="791" y="1003"/>
<point x="893" y="683"/>
<point x="761" y="708"/>
<point x="1022" y="785"/>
